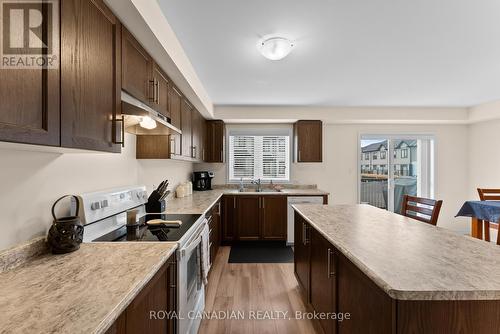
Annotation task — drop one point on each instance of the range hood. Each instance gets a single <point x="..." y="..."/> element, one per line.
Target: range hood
<point x="141" y="119"/>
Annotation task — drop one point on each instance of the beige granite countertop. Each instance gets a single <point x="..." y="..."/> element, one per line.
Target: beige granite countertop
<point x="408" y="259"/>
<point x="200" y="201"/>
<point x="80" y="292"/>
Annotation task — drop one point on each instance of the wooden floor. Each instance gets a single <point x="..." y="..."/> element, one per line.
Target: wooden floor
<point x="254" y="287"/>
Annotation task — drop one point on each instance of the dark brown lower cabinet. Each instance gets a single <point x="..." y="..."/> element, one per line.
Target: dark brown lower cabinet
<point x="254" y="217"/>
<point x="274" y="217"/>
<point x="159" y="295"/>
<point x="214" y="218"/>
<point x="332" y="283"/>
<point x="323" y="280"/>
<point x="370" y="308"/>
<point x="302" y="254"/>
<point x="248" y="217"/>
<point x="228" y="218"/>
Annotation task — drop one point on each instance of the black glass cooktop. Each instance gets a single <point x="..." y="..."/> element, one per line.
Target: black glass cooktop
<point x="152" y="232"/>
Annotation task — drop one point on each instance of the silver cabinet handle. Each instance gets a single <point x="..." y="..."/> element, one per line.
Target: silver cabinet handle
<point x="306" y="230"/>
<point x="263" y="203"/>
<point x="172" y="145"/>
<point x="299" y="157"/>
<point x="193" y="151"/>
<point x="234" y="202"/>
<point x="329" y="271"/>
<point x="157" y="92"/>
<point x="221" y="156"/>
<point x="304" y="234"/>
<point x="152" y="83"/>
<point x="331" y="268"/>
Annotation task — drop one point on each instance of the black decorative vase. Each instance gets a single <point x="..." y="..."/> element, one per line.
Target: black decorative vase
<point x="66" y="233"/>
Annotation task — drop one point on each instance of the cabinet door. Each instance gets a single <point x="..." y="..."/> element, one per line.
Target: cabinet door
<point x="174" y="107"/>
<point x="175" y="98"/>
<point x="172" y="304"/>
<point x="198" y="135"/>
<point x="274" y="216"/>
<point x="137" y="68"/>
<point x="90" y="75"/>
<point x="214" y="142"/>
<point x="323" y="279"/>
<point x="308" y="141"/>
<point x="186" y="128"/>
<point x="161" y="91"/>
<point x="361" y="297"/>
<point x="153" y="297"/>
<point x="228" y="217"/>
<point x="302" y="249"/>
<point x="29" y="100"/>
<point x="248" y="224"/>
<point x="215" y="230"/>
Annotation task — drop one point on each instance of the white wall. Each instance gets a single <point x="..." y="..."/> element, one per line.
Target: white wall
<point x="31" y="181"/>
<point x="338" y="173"/>
<point x="484" y="147"/>
<point x="344" y="115"/>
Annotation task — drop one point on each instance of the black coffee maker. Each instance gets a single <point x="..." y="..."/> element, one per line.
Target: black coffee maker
<point x="202" y="180"/>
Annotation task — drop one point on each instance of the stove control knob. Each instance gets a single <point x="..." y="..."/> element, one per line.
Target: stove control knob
<point x="95" y="206"/>
<point x="104" y="204"/>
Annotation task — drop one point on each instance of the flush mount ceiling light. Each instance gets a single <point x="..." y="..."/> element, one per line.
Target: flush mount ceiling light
<point x="148" y="123"/>
<point x="275" y="48"/>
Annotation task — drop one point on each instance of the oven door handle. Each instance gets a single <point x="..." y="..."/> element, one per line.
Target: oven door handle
<point x="189" y="248"/>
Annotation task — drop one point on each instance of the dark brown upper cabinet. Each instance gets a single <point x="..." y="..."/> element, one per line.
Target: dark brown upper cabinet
<point x="137" y="67"/>
<point x="308" y="138"/>
<point x="175" y="98"/>
<point x="198" y="135"/>
<point x="29" y="104"/>
<point x="90" y="75"/>
<point x="161" y="85"/>
<point x="186" y="128"/>
<point x="214" y="142"/>
<point x="274" y="216"/>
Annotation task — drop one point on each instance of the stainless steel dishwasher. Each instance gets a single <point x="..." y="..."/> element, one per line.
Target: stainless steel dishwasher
<point x="298" y="200"/>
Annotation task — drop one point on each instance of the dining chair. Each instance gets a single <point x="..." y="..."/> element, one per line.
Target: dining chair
<point x="489" y="194"/>
<point x="424" y="209"/>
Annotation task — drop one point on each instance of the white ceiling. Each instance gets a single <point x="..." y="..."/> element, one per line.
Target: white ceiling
<point x="347" y="53"/>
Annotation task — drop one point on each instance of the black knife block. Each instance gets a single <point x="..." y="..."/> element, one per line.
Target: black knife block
<point x="154" y="205"/>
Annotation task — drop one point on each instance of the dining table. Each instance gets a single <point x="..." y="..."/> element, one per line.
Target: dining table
<point x="481" y="212"/>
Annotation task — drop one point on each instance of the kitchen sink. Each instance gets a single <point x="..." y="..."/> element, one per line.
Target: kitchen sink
<point x="262" y="191"/>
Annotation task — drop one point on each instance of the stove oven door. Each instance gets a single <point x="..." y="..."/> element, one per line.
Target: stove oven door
<point x="191" y="287"/>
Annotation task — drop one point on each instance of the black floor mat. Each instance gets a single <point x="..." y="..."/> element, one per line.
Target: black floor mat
<point x="261" y="252"/>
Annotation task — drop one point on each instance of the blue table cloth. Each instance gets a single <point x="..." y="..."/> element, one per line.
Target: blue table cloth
<point x="484" y="210"/>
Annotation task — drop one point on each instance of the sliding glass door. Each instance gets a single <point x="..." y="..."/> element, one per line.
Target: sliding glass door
<point x="393" y="166"/>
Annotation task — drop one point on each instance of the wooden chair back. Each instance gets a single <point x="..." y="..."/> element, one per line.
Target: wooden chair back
<point x="423" y="209"/>
<point x="489" y="194"/>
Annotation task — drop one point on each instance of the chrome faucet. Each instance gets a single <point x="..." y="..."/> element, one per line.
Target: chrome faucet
<point x="259" y="184"/>
<point x="242" y="188"/>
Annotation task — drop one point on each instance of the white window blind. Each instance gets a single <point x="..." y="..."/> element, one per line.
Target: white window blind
<point x="264" y="157"/>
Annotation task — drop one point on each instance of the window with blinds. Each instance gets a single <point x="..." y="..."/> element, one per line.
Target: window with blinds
<point x="264" y="157"/>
